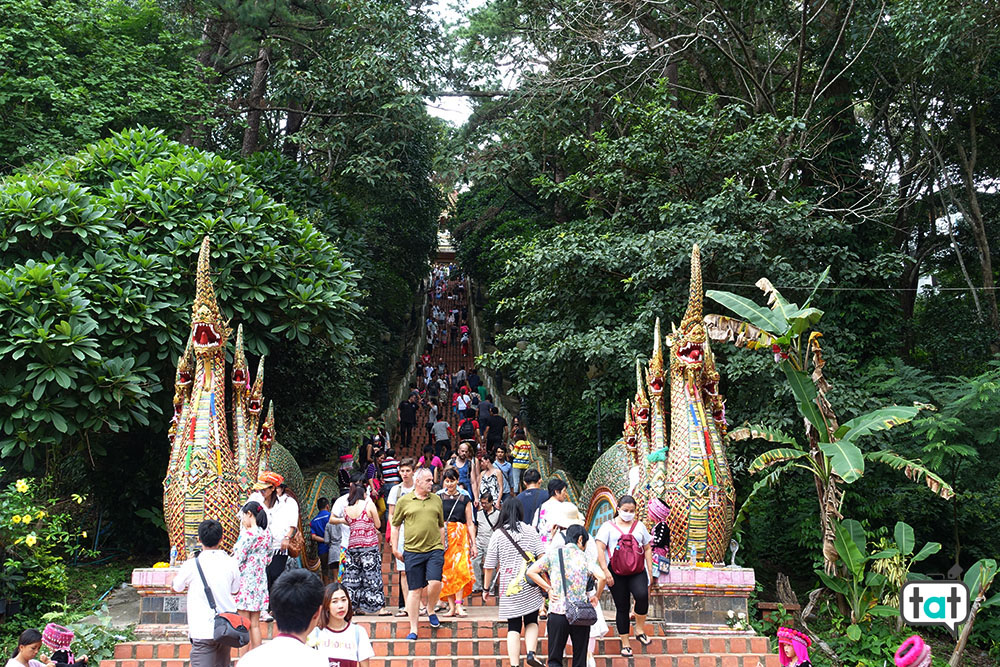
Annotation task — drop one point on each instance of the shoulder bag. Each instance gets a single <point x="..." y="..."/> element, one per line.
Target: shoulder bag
<point x="448" y="518"/>
<point x="296" y="544"/>
<point x="527" y="559"/>
<point x="231" y="629"/>
<point x="577" y="612"/>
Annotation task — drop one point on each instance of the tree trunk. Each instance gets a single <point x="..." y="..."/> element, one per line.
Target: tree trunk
<point x="293" y="124"/>
<point x="956" y="656"/>
<point x="978" y="226"/>
<point x="251" y="135"/>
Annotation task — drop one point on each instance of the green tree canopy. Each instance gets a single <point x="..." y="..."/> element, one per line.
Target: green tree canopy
<point x="98" y="254"/>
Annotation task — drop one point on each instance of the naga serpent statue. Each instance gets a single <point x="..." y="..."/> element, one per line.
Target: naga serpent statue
<point x="205" y="478"/>
<point x="691" y="474"/>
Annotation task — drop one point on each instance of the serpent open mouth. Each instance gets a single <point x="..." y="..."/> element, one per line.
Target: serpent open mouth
<point x="239" y="377"/>
<point x="643" y="414"/>
<point x="255" y="405"/>
<point x="205" y="336"/>
<point x="690" y="353"/>
<point x="184" y="378"/>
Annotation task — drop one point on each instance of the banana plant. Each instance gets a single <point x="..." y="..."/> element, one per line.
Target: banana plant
<point x="979" y="578"/>
<point x="861" y="584"/>
<point x="832" y="455"/>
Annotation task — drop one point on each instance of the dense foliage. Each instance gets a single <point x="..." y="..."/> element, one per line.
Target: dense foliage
<point x="318" y="195"/>
<point x="782" y="138"/>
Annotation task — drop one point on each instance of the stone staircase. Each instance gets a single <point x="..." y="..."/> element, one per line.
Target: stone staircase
<point x="480" y="639"/>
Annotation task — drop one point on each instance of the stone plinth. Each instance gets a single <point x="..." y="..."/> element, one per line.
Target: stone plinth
<point x="697" y="600"/>
<point x="162" y="611"/>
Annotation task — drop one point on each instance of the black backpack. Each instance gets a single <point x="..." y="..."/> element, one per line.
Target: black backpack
<point x="466" y="430"/>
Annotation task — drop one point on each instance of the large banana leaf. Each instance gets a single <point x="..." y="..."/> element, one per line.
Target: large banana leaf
<point x="857" y="533"/>
<point x="847" y="548"/>
<point x="903" y="534"/>
<point x="927" y="551"/>
<point x="877" y="420"/>
<point x="775" y="456"/>
<point x="763" y="432"/>
<point x="846" y="459"/>
<point x="759" y="316"/>
<point x="913" y="470"/>
<point x="835" y="585"/>
<point x="805" y="397"/>
<point x="980" y="576"/>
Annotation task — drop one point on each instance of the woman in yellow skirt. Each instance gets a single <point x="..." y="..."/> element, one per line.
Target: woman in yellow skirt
<point x="457" y="577"/>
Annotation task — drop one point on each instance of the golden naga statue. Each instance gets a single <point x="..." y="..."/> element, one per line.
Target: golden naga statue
<point x="206" y="478"/>
<point x="690" y="471"/>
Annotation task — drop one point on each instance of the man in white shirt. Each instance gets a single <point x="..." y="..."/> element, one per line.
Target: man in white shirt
<point x="296" y="600"/>
<point x="222" y="571"/>
<point x="558" y="494"/>
<point x="406" y="467"/>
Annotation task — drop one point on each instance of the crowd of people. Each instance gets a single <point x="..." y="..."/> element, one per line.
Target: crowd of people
<point x="468" y="517"/>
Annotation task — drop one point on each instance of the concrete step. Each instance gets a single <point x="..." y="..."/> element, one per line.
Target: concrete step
<point x="472" y="660"/>
<point x="466" y="638"/>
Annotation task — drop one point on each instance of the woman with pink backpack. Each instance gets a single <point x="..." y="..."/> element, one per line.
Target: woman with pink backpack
<point x="626" y="555"/>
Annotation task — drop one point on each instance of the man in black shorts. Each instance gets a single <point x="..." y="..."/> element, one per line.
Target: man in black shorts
<point x="422" y="514"/>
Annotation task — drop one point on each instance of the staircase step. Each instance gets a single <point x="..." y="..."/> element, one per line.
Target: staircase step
<point x="493" y="660"/>
<point x="484" y="639"/>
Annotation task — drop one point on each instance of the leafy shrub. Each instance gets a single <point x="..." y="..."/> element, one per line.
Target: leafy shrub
<point x="97" y="258"/>
<point x="35" y="535"/>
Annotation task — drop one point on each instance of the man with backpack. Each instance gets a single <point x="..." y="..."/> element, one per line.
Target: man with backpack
<point x="468" y="430"/>
<point x="625" y="552"/>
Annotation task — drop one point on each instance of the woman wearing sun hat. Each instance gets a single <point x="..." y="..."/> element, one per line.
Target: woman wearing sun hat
<point x="282" y="520"/>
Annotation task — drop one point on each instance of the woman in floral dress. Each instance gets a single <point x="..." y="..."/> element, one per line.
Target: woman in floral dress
<point x="252" y="553"/>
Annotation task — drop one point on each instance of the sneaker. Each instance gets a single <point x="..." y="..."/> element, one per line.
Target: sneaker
<point x="533" y="661"/>
<point x="433" y="620"/>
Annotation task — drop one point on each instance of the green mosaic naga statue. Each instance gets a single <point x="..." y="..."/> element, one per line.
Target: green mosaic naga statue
<point x="689" y="471"/>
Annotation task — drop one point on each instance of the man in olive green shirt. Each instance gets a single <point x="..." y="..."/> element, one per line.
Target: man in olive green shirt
<point x="423" y="550"/>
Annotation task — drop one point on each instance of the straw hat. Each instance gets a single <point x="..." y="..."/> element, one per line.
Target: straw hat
<point x="564" y="515"/>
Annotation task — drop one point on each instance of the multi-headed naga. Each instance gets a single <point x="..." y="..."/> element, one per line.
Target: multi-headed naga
<point x="699" y="486"/>
<point x="205" y="480"/>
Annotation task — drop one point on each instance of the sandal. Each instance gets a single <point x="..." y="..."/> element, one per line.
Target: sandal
<point x="384" y="612"/>
<point x="461" y="613"/>
<point x="627" y="652"/>
<point x="643" y="639"/>
<point x="401" y="613"/>
<point x="423" y="610"/>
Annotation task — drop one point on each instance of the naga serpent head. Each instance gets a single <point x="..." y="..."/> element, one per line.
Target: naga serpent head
<point x="256" y="402"/>
<point x="629" y="433"/>
<point x="267" y="430"/>
<point x="640" y="407"/>
<point x="185" y="375"/>
<point x="241" y="379"/>
<point x="208" y="330"/>
<point x="689" y="342"/>
<point x="654" y="374"/>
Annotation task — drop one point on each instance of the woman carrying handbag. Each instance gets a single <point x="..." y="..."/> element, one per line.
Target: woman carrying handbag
<point x="513" y="547"/>
<point x="563" y="574"/>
